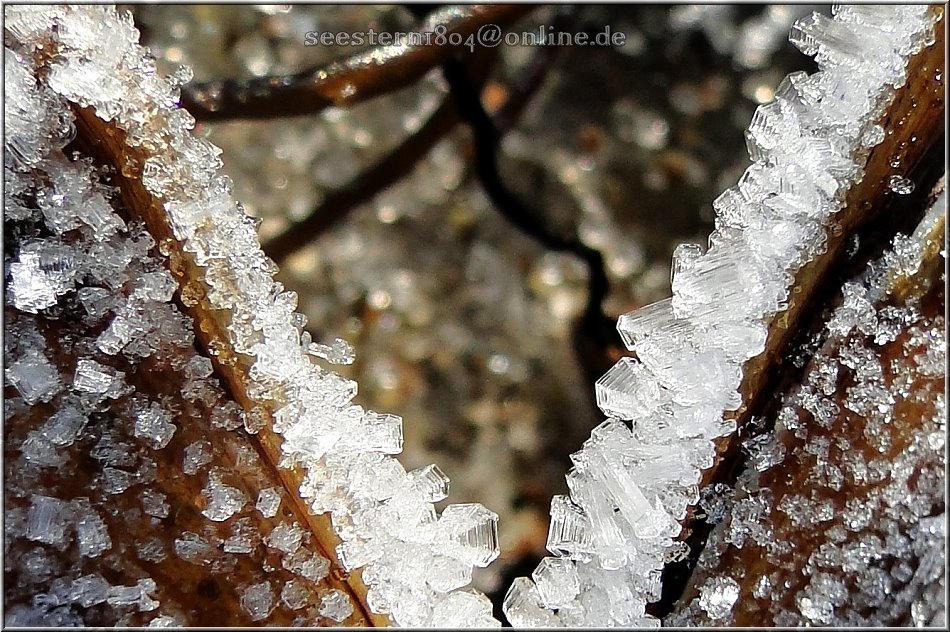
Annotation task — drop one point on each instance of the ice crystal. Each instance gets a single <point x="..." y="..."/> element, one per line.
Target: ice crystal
<point x="268" y="502"/>
<point x="718" y="596"/>
<point x="34" y="377"/>
<point x="223" y="501"/>
<point x="258" y="600"/>
<point x="335" y="605"/>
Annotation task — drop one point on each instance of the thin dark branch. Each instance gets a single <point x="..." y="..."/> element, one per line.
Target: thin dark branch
<point x="389" y="170"/>
<point x="363" y="76"/>
<point x="486" y="138"/>
<point x="532" y="79"/>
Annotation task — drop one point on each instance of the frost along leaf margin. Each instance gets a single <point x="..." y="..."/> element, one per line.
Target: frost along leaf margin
<point x="334" y="458"/>
<point x="704" y="357"/>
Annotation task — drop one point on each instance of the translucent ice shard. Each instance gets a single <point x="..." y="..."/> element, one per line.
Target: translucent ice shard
<point x="34" y="377"/>
<point x="268" y="502"/>
<point x="463" y="609"/>
<point x="717" y="596"/>
<point x="285" y="538"/>
<point x="472" y="533"/>
<point x="627" y="391"/>
<point x="569" y="532"/>
<point x="91" y="531"/>
<point x="335" y="605"/>
<point x="154" y="426"/>
<point x="258" y="600"/>
<point x="48" y="520"/>
<point x="557" y="582"/>
<point x="42" y="274"/>
<point x="523" y="606"/>
<point x="431" y="482"/>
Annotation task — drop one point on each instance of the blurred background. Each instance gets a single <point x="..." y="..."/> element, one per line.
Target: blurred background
<point x="461" y="323"/>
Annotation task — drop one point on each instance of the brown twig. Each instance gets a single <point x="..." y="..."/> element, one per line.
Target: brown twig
<point x="343" y="83"/>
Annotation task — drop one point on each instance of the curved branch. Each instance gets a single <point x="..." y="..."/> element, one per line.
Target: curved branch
<point x="344" y="83"/>
<point x="486" y="137"/>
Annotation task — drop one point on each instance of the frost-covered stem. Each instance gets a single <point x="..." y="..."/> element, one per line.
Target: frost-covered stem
<point x="840" y="514"/>
<point x="357" y="504"/>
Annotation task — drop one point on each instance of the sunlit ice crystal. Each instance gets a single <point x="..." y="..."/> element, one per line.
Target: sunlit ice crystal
<point x="137" y="595"/>
<point x="446" y="573"/>
<point x="607" y="541"/>
<point x="569" y="532"/>
<point x="268" y="502"/>
<point x="335" y="605"/>
<point x="65" y="425"/>
<point x="285" y="538"/>
<point x="154" y="426"/>
<point x="43" y="272"/>
<point x="431" y="482"/>
<point x="28" y="110"/>
<point x="708" y="376"/>
<point x="374" y="432"/>
<point x="337" y="352"/>
<point x="463" y="609"/>
<point x="48" y="520"/>
<point x="838" y="43"/>
<point x="93" y="377"/>
<point x="91" y="531"/>
<point x="89" y="590"/>
<point x="471" y="533"/>
<point x="654" y="321"/>
<point x="197" y="455"/>
<point x="73" y="202"/>
<point x="723" y="285"/>
<point x="647" y="521"/>
<point x="718" y="596"/>
<point x="312" y="436"/>
<point x="257" y="600"/>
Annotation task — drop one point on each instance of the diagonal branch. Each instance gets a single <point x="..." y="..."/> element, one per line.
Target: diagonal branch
<point x="389" y="170"/>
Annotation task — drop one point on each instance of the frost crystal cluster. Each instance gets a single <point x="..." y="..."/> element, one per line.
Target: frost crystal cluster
<point x="631" y="483"/>
<point x="413" y="560"/>
<point x="868" y="418"/>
